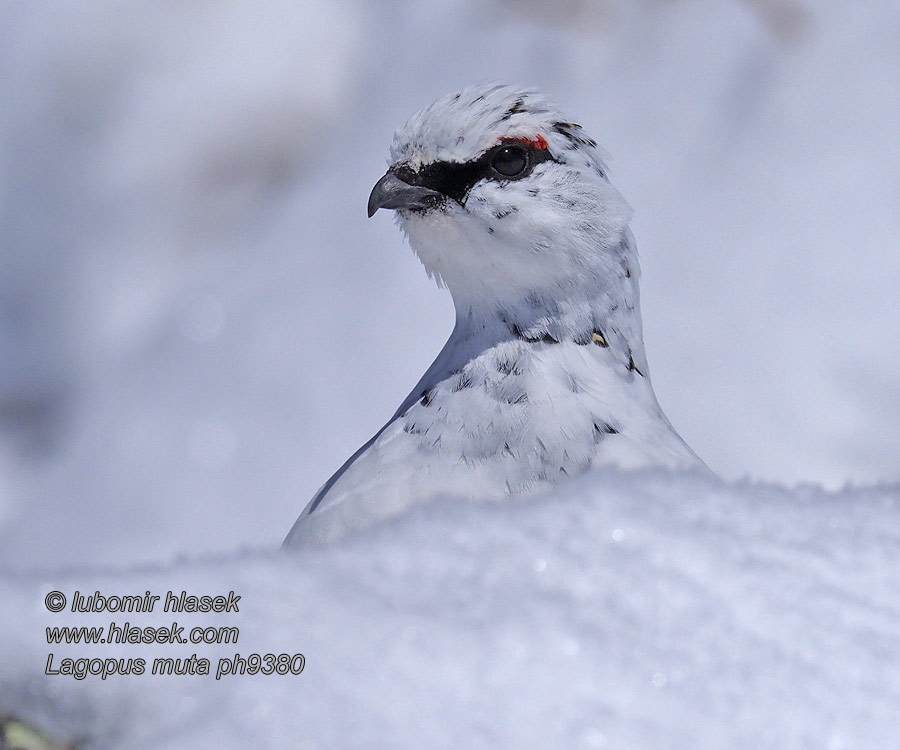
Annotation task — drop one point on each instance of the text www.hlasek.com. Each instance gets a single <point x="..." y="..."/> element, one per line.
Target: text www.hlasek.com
<point x="127" y="633"/>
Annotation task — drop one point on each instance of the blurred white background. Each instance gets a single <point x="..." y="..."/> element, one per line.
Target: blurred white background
<point x="198" y="324"/>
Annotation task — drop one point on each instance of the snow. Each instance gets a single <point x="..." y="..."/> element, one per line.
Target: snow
<point x="198" y="324"/>
<point x="632" y="610"/>
<point x="191" y="287"/>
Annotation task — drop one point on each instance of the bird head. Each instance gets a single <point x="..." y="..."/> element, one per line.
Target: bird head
<point x="504" y="198"/>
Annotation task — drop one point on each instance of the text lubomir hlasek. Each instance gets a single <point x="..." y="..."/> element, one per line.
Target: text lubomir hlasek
<point x="182" y="602"/>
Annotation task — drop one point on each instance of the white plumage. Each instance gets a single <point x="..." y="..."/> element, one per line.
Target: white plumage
<point x="506" y="202"/>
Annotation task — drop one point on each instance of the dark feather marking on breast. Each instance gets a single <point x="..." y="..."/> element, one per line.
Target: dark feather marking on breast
<point x="506" y="366"/>
<point x="462" y="382"/>
<point x="632" y="366"/>
<point x="411" y="428"/>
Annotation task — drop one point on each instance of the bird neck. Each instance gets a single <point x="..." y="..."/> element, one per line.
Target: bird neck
<point x="523" y="367"/>
<point x="598" y="306"/>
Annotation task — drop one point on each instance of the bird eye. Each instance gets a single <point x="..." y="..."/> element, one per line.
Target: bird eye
<point x="510" y="160"/>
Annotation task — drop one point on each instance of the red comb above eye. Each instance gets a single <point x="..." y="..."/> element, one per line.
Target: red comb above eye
<point x="537" y="142"/>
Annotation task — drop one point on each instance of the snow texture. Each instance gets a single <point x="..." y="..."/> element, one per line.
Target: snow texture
<point x="191" y="291"/>
<point x="622" y="611"/>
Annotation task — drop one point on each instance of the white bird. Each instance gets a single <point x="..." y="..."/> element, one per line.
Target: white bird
<point x="507" y="203"/>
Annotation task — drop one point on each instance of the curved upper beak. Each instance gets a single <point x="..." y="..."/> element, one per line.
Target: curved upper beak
<point x="392" y="192"/>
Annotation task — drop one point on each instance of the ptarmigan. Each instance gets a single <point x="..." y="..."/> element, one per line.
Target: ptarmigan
<point x="507" y="203"/>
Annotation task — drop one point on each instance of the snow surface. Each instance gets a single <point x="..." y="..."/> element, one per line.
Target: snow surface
<point x="622" y="611"/>
<point x="198" y="324"/>
<point x="191" y="291"/>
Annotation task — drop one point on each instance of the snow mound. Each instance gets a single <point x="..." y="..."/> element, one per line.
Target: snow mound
<point x="621" y="610"/>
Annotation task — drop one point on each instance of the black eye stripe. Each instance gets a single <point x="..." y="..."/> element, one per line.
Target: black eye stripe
<point x="455" y="179"/>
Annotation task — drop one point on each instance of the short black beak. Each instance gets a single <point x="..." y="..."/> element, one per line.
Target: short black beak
<point x="392" y="192"/>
